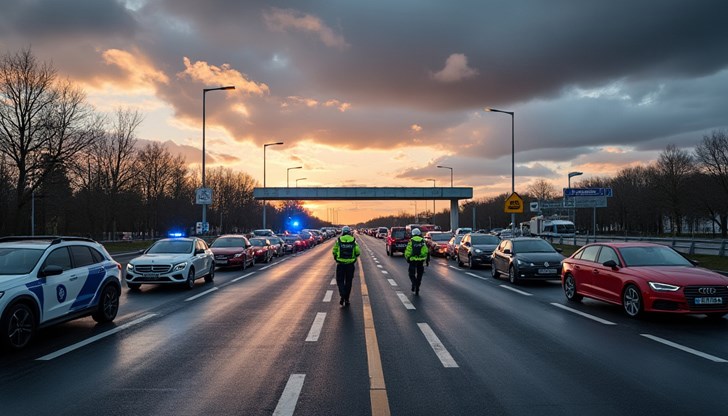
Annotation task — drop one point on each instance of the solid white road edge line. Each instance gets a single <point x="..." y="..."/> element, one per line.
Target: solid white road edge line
<point x="406" y="302"/>
<point x="199" y="295"/>
<point x="586" y="315"/>
<point x="444" y="356"/>
<point x="289" y="397"/>
<point x="328" y="295"/>
<point x="242" y="277"/>
<point x="684" y="348"/>
<point x="94" y="338"/>
<point x="318" y="324"/>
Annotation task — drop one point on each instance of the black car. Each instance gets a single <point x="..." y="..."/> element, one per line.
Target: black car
<point x="526" y="258"/>
<point x="475" y="249"/>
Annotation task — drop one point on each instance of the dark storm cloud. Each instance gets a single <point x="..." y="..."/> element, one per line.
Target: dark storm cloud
<point x="43" y="18"/>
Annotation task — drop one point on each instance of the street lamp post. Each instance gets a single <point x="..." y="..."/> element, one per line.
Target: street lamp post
<point x="571" y="175"/>
<point x="288" y="171"/>
<point x="204" y="94"/>
<point x="300" y="179"/>
<point x="433" y="202"/>
<point x="451" y="176"/>
<point x="513" y="160"/>
<point x="264" y="201"/>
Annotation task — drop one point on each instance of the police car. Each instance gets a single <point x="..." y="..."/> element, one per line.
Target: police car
<point x="48" y="280"/>
<point x="172" y="261"/>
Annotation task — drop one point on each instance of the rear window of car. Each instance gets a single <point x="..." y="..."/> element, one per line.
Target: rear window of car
<point x="484" y="239"/>
<point x="398" y="233"/>
<point x="228" y="242"/>
<point x="18" y="260"/>
<point x="441" y="237"/>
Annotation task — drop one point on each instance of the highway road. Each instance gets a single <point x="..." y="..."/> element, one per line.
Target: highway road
<point x="274" y="340"/>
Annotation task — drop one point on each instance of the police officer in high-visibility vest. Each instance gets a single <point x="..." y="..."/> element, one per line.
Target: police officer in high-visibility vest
<point x="416" y="254"/>
<point x="345" y="251"/>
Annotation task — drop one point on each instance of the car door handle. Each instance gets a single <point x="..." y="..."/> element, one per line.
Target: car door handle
<point x="73" y="278"/>
<point x="595" y="271"/>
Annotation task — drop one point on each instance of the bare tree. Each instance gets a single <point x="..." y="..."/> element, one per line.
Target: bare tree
<point x="542" y="190"/>
<point x="712" y="157"/>
<point x="44" y="122"/>
<point x="673" y="169"/>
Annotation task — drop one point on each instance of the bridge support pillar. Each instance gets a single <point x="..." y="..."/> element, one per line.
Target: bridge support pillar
<point x="454" y="212"/>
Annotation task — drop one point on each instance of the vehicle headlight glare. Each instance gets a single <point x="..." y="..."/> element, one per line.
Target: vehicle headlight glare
<point x="180" y="266"/>
<point x="238" y="255"/>
<point x="129" y="267"/>
<point x="663" y="287"/>
<point x="478" y="251"/>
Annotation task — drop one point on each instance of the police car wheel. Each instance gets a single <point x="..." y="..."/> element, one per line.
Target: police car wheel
<point x="209" y="277"/>
<point x="18" y="326"/>
<point x="190" y="282"/>
<point x="108" y="304"/>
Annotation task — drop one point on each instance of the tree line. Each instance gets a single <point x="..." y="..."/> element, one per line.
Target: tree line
<point x="67" y="169"/>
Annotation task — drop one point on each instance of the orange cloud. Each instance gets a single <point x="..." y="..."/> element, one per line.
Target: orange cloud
<point x="224" y="75"/>
<point x="138" y="70"/>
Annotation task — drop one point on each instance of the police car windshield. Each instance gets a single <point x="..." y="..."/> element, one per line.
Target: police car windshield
<point x="18" y="260"/>
<point x="171" y="247"/>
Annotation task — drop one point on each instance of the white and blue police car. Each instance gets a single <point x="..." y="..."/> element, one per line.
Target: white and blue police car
<point x="46" y="280"/>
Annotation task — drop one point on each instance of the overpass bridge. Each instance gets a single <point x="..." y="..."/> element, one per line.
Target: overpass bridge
<point x="452" y="194"/>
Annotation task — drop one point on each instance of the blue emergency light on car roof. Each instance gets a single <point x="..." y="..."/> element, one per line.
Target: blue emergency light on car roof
<point x="175" y="234"/>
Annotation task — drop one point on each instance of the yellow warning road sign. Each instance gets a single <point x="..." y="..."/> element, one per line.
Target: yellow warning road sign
<point x="514" y="204"/>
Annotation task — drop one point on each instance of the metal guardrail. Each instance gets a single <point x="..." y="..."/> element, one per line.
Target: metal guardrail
<point x="684" y="245"/>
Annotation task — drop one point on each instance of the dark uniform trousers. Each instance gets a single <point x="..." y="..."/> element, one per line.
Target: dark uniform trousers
<point x="344" y="278"/>
<point x="416" y="270"/>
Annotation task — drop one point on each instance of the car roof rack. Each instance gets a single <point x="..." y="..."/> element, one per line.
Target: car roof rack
<point x="54" y="239"/>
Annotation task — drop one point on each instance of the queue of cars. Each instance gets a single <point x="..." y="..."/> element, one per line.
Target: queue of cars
<point x="638" y="276"/>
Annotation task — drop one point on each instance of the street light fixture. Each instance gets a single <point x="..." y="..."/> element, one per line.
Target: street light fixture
<point x="204" y="94"/>
<point x="433" y="201"/>
<point x="447" y="167"/>
<point x="288" y="171"/>
<point x="513" y="159"/>
<point x="300" y="179"/>
<point x="264" y="201"/>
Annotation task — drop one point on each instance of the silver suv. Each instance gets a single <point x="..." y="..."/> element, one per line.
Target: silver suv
<point x="48" y="280"/>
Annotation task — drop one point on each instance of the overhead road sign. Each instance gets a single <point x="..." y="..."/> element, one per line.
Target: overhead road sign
<point x="586" y="202"/>
<point x="514" y="204"/>
<point x="581" y="192"/>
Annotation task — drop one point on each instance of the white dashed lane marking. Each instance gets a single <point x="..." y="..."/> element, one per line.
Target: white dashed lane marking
<point x="585" y="315"/>
<point x="289" y="397"/>
<point x="442" y="353"/>
<point x="328" y="295"/>
<point x="392" y="282"/>
<point x="684" y="348"/>
<point x="512" y="289"/>
<point x="405" y="301"/>
<point x="318" y="324"/>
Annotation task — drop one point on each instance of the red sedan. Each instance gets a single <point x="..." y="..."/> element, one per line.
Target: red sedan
<point x="233" y="251"/>
<point x="644" y="277"/>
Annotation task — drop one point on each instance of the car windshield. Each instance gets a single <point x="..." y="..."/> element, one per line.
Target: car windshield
<point x="652" y="256"/>
<point x="171" y="247"/>
<point x="228" y="242"/>
<point x="256" y="242"/>
<point x="441" y="237"/>
<point x="291" y="238"/>
<point x="484" y="239"/>
<point x="532" y="246"/>
<point x="565" y="228"/>
<point x="18" y="260"/>
<point x="398" y="234"/>
<point x="274" y="240"/>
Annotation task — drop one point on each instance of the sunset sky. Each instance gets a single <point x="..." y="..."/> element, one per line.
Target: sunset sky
<point x="378" y="93"/>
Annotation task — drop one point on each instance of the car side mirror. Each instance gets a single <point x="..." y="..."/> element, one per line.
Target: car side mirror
<point x="248" y="245"/>
<point x="51" y="270"/>
<point x="610" y="263"/>
<point x="199" y="251"/>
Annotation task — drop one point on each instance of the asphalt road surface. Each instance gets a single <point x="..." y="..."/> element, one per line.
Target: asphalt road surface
<point x="274" y="340"/>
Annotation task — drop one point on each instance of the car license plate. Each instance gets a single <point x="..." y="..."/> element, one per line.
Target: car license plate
<point x="221" y="261"/>
<point x="546" y="271"/>
<point x="151" y="275"/>
<point x="400" y="245"/>
<point x="709" y="301"/>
